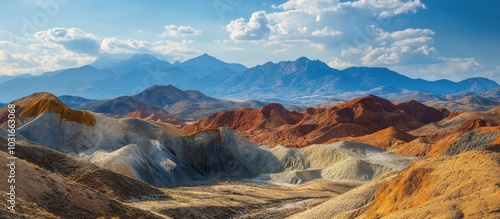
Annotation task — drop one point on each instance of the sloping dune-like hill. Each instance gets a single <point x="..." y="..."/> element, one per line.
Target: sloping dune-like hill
<point x="462" y="186"/>
<point x="110" y="183"/>
<point x="41" y="193"/>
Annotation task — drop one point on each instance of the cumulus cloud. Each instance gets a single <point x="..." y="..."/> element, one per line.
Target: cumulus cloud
<point x="256" y="28"/>
<point x="388" y="8"/>
<point x="404" y="34"/>
<point x="355" y="30"/>
<point x="15" y="63"/>
<point x="300" y="18"/>
<point x="72" y="39"/>
<point x="339" y="64"/>
<point x="180" y="31"/>
<point x="16" y="59"/>
<point x="325" y="32"/>
<point x="310" y="6"/>
<point x="397" y="47"/>
<point x="115" y="45"/>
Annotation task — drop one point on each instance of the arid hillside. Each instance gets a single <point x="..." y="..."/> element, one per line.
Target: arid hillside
<point x="460" y="186"/>
<point x="274" y="125"/>
<point x="454" y="135"/>
<point x="53" y="185"/>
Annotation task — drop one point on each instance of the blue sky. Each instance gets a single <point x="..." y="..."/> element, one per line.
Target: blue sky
<point x="421" y="39"/>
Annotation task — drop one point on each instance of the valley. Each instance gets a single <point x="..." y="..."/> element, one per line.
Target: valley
<point x="240" y="199"/>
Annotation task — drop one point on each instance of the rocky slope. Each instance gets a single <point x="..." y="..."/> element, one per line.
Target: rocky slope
<point x="460" y="133"/>
<point x="461" y="186"/>
<point x="275" y="125"/>
<point x="38" y="104"/>
<point x="41" y="193"/>
<point x="384" y="139"/>
<point x="422" y="112"/>
<point x="110" y="183"/>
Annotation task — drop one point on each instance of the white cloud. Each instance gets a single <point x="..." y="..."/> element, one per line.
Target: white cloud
<point x="130" y="46"/>
<point x="5" y="43"/>
<point x="388" y="8"/>
<point x="236" y="48"/>
<point x="427" y="50"/>
<point x="455" y="69"/>
<point x="72" y="39"/>
<point x="354" y="29"/>
<point x="339" y="64"/>
<point x="310" y="6"/>
<point x="325" y="32"/>
<point x="180" y="31"/>
<point x="174" y="50"/>
<point x="15" y="63"/>
<point x="115" y="45"/>
<point x="320" y="21"/>
<point x="383" y="55"/>
<point x="409" y="33"/>
<point x="397" y="47"/>
<point x="255" y="29"/>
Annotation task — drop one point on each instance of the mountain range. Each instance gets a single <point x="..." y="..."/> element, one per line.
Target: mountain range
<point x="302" y="81"/>
<point x="159" y="99"/>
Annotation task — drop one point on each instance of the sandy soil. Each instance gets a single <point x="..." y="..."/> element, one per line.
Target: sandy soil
<point x="238" y="199"/>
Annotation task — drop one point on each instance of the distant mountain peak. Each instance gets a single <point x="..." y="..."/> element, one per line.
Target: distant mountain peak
<point x="205" y="55"/>
<point x="143" y="57"/>
<point x="372" y="102"/>
<point x="160" y="95"/>
<point x="109" y="61"/>
<point x="203" y="58"/>
<point x="165" y="87"/>
<point x="85" y="67"/>
<point x="206" y="61"/>
<point x="273" y="106"/>
<point x="303" y="59"/>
